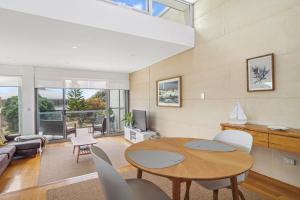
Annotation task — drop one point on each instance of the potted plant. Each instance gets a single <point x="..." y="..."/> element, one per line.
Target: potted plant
<point x="128" y="119"/>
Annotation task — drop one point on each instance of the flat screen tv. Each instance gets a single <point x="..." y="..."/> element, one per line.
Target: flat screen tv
<point x="139" y="119"/>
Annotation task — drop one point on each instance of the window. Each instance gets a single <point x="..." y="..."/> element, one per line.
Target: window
<point x="10" y="105"/>
<point x="135" y="4"/>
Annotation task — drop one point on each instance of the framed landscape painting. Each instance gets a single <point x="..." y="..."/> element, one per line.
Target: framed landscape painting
<point x="260" y="73"/>
<point x="169" y="92"/>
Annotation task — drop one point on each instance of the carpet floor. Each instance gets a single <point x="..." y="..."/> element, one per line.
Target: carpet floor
<point x="91" y="190"/>
<point x="59" y="163"/>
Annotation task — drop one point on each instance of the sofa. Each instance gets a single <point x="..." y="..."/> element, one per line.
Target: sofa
<point x="6" y="154"/>
<point x="17" y="149"/>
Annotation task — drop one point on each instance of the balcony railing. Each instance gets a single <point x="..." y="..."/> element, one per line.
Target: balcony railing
<point x="52" y="123"/>
<point x="174" y="10"/>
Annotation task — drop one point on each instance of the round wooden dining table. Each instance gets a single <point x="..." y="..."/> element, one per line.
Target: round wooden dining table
<point x="197" y="164"/>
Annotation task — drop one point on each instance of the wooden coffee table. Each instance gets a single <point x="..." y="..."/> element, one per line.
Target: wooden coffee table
<point x="83" y="145"/>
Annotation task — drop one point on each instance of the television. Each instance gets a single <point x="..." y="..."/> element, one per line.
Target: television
<point x="139" y="120"/>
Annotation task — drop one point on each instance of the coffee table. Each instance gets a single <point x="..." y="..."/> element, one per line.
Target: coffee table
<point x="83" y="145"/>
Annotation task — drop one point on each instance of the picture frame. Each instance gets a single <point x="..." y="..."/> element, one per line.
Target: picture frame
<point x="168" y="92"/>
<point x="260" y="73"/>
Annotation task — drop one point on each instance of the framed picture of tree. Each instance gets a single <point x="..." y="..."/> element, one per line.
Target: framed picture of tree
<point x="260" y="73"/>
<point x="168" y="92"/>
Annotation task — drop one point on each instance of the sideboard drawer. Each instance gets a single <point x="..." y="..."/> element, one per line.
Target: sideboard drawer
<point x="284" y="143"/>
<point x="259" y="138"/>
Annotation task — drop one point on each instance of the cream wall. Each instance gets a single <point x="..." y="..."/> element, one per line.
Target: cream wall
<point x="228" y="32"/>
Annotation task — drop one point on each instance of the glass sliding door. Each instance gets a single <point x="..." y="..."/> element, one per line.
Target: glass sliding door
<point x="50" y="113"/>
<point x="67" y="112"/>
<point x="10" y="104"/>
<point x="118" y="102"/>
<point x="86" y="109"/>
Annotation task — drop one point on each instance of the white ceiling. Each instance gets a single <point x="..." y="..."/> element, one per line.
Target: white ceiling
<point x="38" y="41"/>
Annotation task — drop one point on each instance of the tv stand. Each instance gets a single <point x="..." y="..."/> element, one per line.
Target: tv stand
<point x="135" y="135"/>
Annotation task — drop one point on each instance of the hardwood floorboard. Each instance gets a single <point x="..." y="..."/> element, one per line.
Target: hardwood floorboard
<point x="270" y="187"/>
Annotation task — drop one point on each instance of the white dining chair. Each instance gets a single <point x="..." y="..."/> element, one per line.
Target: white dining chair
<point x="239" y="139"/>
<point x="116" y="188"/>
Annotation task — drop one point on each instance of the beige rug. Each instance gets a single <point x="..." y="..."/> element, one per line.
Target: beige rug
<point x="59" y="162"/>
<point x="91" y="190"/>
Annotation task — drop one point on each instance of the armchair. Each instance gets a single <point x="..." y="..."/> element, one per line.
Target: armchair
<point x="99" y="127"/>
<point x="71" y="130"/>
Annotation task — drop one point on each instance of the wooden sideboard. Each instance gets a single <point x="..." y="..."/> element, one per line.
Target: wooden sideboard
<point x="288" y="140"/>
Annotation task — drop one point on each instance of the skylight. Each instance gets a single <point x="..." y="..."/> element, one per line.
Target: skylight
<point x="157" y="8"/>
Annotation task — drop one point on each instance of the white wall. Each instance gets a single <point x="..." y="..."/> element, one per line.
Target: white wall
<point x="106" y="16"/>
<point x="28" y="74"/>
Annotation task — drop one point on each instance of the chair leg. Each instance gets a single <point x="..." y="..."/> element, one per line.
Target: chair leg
<point x="139" y="173"/>
<point x="215" y="194"/>
<point x="241" y="195"/>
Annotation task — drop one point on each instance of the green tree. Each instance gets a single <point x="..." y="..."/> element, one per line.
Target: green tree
<point x="76" y="100"/>
<point x="97" y="101"/>
<point x="101" y="95"/>
<point x="45" y="105"/>
<point x="11" y="113"/>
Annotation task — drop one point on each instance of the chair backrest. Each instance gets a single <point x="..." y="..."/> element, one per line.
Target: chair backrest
<point x="240" y="139"/>
<point x="101" y="154"/>
<point x="104" y="124"/>
<point x="114" y="186"/>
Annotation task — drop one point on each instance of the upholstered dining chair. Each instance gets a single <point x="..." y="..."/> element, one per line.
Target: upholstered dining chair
<point x="116" y="188"/>
<point x="239" y="139"/>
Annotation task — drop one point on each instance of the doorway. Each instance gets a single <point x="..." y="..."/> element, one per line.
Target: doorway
<point x="68" y="112"/>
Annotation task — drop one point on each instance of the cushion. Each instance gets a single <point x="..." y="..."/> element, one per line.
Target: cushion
<point x="25" y="138"/>
<point x="2" y="139"/>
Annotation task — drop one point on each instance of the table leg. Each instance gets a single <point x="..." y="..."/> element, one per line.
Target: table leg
<point x="139" y="173"/>
<point x="73" y="149"/>
<point x="176" y="183"/>
<point x="187" y="191"/>
<point x="234" y="188"/>
<point x="78" y="153"/>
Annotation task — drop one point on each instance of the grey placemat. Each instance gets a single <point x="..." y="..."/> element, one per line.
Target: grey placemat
<point x="155" y="158"/>
<point x="209" y="145"/>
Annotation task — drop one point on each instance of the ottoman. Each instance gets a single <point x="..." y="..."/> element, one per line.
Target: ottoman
<point x="27" y="148"/>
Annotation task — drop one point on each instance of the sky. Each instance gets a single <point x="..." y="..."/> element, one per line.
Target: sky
<point x="57" y="93"/>
<point x="141" y="5"/>
<point x="6" y="92"/>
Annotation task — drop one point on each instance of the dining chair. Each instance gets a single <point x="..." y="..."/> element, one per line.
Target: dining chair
<point x="116" y="188"/>
<point x="241" y="140"/>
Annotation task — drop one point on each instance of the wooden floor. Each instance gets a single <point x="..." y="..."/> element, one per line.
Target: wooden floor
<point x="19" y="181"/>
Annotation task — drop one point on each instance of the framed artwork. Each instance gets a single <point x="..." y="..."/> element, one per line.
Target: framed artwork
<point x="260" y="73"/>
<point x="168" y="92"/>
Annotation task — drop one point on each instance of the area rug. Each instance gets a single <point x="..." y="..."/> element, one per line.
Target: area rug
<point x="91" y="190"/>
<point x="59" y="163"/>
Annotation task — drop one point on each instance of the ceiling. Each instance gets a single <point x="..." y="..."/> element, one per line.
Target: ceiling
<point x="42" y="42"/>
